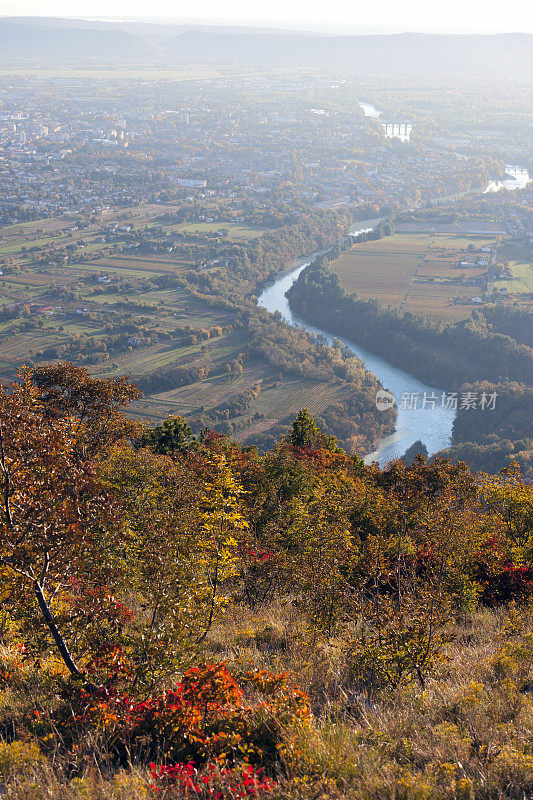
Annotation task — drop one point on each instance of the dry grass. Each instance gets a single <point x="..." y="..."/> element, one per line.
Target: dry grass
<point x="436" y="300"/>
<point x="466" y="736"/>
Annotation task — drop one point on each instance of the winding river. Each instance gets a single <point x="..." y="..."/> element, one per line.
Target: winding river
<point x="419" y="417"/>
<point x="432" y="424"/>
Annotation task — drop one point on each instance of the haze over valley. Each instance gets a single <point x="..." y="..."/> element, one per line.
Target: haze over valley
<point x="266" y="410"/>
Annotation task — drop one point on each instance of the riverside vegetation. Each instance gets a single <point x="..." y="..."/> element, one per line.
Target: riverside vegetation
<point x="184" y="325"/>
<point x="488" y="352"/>
<point x="183" y="617"/>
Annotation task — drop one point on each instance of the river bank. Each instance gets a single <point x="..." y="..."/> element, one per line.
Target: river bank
<point x="416" y="419"/>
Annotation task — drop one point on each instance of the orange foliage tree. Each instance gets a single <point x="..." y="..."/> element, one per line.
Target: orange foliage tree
<point x="59" y="528"/>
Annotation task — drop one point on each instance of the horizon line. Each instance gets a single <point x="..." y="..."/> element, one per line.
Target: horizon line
<point x="278" y="26"/>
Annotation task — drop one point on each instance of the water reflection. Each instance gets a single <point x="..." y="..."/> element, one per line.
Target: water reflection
<point x="519" y="179"/>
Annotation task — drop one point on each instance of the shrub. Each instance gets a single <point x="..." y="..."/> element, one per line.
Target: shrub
<point x="214" y="781"/>
<point x="512" y="583"/>
<point x="17" y="758"/>
<point x="209" y="716"/>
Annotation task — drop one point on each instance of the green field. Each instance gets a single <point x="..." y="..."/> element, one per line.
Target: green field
<point x="234" y="229"/>
<point x="522" y="282"/>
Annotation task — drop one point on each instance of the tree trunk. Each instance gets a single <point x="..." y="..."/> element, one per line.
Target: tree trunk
<point x="60" y="642"/>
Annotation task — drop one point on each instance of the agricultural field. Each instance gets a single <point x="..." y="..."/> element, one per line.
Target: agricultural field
<point x="469" y="228"/>
<point x="70" y="229"/>
<point x="275" y="401"/>
<point x="382" y="269"/>
<point x="446" y="268"/>
<point x="133" y="264"/>
<point x="109" y="295"/>
<point x="461" y="242"/>
<point x="419" y="272"/>
<point x="234" y="229"/>
<point x="44" y="226"/>
<point x="522" y="280"/>
<point x="437" y="300"/>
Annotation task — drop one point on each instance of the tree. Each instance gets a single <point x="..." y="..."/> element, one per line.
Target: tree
<point x="59" y="528"/>
<point x="67" y="390"/>
<point x="171" y="437"/>
<point x="184" y="525"/>
<point x="510" y="502"/>
<point x="305" y="433"/>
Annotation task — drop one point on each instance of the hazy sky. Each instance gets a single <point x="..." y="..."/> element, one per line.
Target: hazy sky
<point x="391" y="15"/>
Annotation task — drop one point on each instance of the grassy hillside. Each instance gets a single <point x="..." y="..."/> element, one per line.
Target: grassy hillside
<point x="182" y="617"/>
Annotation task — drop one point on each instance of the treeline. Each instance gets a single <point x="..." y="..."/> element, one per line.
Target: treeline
<point x="128" y="335"/>
<point x="167" y="378"/>
<point x="353" y="417"/>
<point x="221" y="418"/>
<point x="511" y="321"/>
<point x="469" y="355"/>
<point x="296" y="352"/>
<point x="267" y="217"/>
<point x="383" y="228"/>
<point x="490" y="438"/>
<point x="442" y="354"/>
<point x="492" y="455"/>
<point x="262" y="258"/>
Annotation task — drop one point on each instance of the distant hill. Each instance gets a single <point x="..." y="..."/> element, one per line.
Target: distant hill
<point x="44" y="40"/>
<point x="406" y="51"/>
<point x="434" y="54"/>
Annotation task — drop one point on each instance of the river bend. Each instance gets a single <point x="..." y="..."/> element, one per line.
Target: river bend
<point x="432" y="424"/>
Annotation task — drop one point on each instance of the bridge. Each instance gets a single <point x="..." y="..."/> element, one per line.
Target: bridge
<point x="397" y="128"/>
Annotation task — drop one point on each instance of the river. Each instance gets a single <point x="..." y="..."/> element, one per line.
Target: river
<point x="432" y="425"/>
<point x="519" y="179"/>
<point x="392" y="130"/>
<point x="418" y="416"/>
<point x="370" y="110"/>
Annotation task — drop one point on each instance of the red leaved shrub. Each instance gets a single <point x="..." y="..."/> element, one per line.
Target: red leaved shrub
<point x="213" y="782"/>
<point x="210" y="716"/>
<point x="512" y="583"/>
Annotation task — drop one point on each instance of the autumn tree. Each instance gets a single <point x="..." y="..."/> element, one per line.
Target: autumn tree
<point x="183" y="529"/>
<point x="510" y="501"/>
<point x="59" y="528"/>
